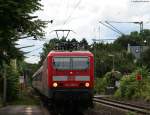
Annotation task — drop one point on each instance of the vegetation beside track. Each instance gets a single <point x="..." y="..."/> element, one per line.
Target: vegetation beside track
<point x="131" y="88"/>
<point x="108" y="80"/>
<point x="26" y="97"/>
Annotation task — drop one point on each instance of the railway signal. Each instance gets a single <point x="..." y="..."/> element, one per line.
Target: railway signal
<point x="138" y="77"/>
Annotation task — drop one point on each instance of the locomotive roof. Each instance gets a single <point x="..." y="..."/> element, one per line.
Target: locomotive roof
<point x="70" y="53"/>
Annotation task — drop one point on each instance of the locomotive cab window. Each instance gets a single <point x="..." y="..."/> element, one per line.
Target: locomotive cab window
<point x="80" y="63"/>
<point x="61" y="63"/>
<point x="71" y="63"/>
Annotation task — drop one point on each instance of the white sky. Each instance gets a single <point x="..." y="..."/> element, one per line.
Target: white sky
<point x="83" y="16"/>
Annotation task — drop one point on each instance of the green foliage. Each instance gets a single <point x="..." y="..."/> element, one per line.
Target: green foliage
<point x="123" y="61"/>
<point x="112" y="76"/>
<point x="108" y="80"/>
<point x="1" y="83"/>
<point x="26" y="98"/>
<point x="134" y="38"/>
<point x="130" y="88"/>
<point x="16" y="23"/>
<point x="131" y="113"/>
<point x="145" y="58"/>
<point x="100" y="85"/>
<point x="12" y="83"/>
<point x="29" y="69"/>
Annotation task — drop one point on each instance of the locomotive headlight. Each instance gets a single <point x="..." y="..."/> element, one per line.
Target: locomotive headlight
<point x="87" y="84"/>
<point x="55" y="84"/>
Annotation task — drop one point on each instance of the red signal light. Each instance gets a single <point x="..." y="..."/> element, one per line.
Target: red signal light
<point x="138" y="77"/>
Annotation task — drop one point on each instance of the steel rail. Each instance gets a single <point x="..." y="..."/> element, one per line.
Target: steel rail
<point x="124" y="106"/>
<point x="121" y="102"/>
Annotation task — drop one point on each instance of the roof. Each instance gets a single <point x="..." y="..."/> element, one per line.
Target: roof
<point x="70" y="53"/>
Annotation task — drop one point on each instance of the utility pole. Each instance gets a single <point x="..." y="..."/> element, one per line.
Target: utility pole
<point x="141" y="25"/>
<point x="99" y="29"/>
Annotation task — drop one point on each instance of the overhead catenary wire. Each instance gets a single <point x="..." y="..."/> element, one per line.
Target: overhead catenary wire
<point x="140" y="1"/>
<point x="114" y="27"/>
<point x="70" y="15"/>
<point x="67" y="7"/>
<point x="123" y="22"/>
<point x="108" y="26"/>
<point x="134" y="22"/>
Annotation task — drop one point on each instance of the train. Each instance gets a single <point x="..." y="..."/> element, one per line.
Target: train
<point x="66" y="80"/>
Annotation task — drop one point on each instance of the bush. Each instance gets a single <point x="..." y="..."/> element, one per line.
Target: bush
<point x="100" y="85"/>
<point x="12" y="83"/>
<point x="108" y="80"/>
<point x="130" y="88"/>
<point x="111" y="77"/>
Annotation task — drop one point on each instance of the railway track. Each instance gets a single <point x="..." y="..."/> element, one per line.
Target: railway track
<point x="121" y="105"/>
<point x="47" y="111"/>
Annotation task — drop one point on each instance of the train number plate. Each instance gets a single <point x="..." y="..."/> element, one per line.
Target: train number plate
<point x="71" y="78"/>
<point x="71" y="85"/>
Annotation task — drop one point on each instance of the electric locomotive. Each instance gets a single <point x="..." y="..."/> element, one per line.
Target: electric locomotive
<point x="66" y="80"/>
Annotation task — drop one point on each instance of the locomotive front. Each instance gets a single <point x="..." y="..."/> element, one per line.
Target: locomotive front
<point x="71" y="77"/>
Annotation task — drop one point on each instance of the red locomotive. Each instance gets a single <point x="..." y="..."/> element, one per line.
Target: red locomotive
<point x="66" y="79"/>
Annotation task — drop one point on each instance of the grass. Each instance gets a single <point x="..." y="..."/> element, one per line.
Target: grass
<point x="131" y="113"/>
<point x="26" y="97"/>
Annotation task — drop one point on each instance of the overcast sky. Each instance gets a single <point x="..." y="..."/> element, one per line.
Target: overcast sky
<point x="83" y="16"/>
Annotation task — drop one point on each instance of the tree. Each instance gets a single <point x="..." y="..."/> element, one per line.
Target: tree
<point x="16" y="23"/>
<point x="103" y="63"/>
<point x="84" y="44"/>
<point x="134" y="38"/>
<point x="47" y="47"/>
<point x="145" y="58"/>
